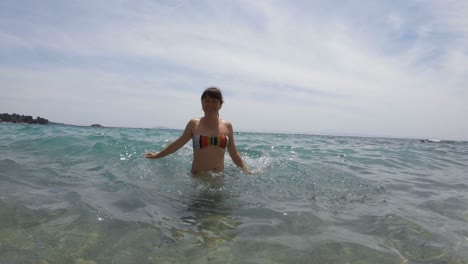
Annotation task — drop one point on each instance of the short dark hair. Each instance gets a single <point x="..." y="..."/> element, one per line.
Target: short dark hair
<point x="213" y="92"/>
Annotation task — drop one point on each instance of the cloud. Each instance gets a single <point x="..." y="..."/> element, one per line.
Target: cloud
<point x="348" y="67"/>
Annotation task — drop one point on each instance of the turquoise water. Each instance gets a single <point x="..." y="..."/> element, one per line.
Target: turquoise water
<point x="86" y="195"/>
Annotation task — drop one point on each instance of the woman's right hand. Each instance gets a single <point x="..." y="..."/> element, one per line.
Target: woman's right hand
<point x="151" y="155"/>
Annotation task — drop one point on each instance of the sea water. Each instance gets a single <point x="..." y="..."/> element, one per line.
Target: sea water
<point x="86" y="195"/>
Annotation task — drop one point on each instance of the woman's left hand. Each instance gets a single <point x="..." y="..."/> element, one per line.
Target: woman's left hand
<point x="151" y="155"/>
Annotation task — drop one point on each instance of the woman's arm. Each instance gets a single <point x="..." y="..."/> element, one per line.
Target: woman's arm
<point x="232" y="150"/>
<point x="175" y="145"/>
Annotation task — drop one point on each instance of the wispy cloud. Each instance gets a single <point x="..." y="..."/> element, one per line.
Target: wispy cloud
<point x="368" y="67"/>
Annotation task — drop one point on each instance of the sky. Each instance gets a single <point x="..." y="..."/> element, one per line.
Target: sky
<point x="380" y="68"/>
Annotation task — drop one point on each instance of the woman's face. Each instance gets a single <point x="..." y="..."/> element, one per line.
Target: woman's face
<point x="211" y="105"/>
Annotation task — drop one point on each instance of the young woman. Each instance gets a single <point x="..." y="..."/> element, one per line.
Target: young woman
<point x="210" y="136"/>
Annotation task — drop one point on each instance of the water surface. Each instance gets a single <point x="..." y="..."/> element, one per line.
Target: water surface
<point x="86" y="195"/>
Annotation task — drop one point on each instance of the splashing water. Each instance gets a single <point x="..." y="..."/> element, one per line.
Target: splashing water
<point x="74" y="194"/>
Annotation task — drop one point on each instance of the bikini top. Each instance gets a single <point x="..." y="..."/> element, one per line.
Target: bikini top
<point x="200" y="141"/>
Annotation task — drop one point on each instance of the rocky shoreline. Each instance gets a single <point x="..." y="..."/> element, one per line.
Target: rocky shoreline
<point x="26" y="119"/>
<point x="15" y="118"/>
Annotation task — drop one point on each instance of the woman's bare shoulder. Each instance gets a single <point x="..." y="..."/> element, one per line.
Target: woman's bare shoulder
<point x="195" y="120"/>
<point x="226" y="124"/>
<point x="193" y="123"/>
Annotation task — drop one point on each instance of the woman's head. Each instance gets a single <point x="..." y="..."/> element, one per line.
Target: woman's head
<point x="213" y="93"/>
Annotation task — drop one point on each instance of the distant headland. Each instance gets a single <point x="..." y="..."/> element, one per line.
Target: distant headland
<point x="26" y="119"/>
<point x="15" y="118"/>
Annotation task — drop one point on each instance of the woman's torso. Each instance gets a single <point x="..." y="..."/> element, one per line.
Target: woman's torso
<point x="208" y="155"/>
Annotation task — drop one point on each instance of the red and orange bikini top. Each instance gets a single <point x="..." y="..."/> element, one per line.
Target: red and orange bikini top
<point x="200" y="141"/>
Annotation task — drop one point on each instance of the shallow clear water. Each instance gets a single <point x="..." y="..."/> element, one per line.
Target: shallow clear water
<point x="86" y="195"/>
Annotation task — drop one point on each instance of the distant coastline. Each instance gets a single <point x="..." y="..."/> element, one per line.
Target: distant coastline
<point x="27" y="119"/>
<point x="15" y="118"/>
